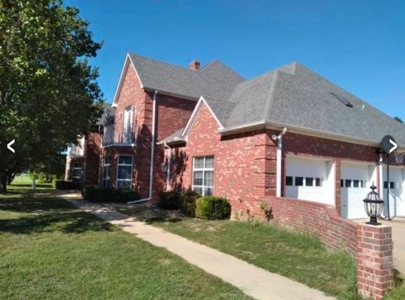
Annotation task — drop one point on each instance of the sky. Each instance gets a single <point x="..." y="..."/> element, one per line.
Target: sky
<point x="359" y="45"/>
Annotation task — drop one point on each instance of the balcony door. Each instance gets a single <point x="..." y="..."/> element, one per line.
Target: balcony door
<point x="128" y="125"/>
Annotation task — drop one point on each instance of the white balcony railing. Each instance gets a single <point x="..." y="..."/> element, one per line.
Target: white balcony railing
<point x="112" y="136"/>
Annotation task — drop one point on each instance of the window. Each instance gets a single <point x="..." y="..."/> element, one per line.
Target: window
<point x="385" y="184"/>
<point x="203" y="175"/>
<point x="106" y="171"/>
<point x="309" y="181"/>
<point x="299" y="181"/>
<point x="77" y="173"/>
<point x="392" y="185"/>
<point x="289" y="181"/>
<point x="363" y="183"/>
<point x="356" y="183"/>
<point x="128" y="124"/>
<point x="348" y="183"/>
<point x="124" y="172"/>
<point x="342" y="183"/>
<point x="318" y="181"/>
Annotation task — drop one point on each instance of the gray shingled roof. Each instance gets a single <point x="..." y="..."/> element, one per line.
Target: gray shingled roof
<point x="292" y="95"/>
<point x="173" y="137"/>
<point x="296" y="96"/>
<point x="215" y="79"/>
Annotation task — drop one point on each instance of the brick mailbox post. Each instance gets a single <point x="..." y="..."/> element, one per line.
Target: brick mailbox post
<point x="374" y="260"/>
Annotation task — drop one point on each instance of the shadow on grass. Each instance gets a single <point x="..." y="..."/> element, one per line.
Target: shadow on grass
<point x="30" y="204"/>
<point x="65" y="222"/>
<point x="398" y="278"/>
<point x="150" y="214"/>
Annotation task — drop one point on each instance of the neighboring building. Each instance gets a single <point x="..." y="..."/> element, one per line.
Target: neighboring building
<point x="211" y="130"/>
<point x="83" y="159"/>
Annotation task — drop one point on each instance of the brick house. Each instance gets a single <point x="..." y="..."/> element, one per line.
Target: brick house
<point x="288" y="133"/>
<point x="83" y="159"/>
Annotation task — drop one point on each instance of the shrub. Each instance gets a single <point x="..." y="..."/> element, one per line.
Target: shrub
<point x="212" y="208"/>
<point x="169" y="200"/>
<point x="124" y="196"/>
<point x="187" y="202"/>
<point x="65" y="185"/>
<point x="102" y="194"/>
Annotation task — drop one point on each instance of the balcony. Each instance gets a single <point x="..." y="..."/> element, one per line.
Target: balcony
<point x="75" y="151"/>
<point x="115" y="137"/>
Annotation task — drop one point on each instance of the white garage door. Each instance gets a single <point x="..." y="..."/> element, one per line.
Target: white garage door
<point x="397" y="191"/>
<point x="309" y="179"/>
<point x="355" y="183"/>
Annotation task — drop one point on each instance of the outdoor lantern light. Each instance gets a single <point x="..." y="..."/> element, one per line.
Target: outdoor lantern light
<point x="373" y="206"/>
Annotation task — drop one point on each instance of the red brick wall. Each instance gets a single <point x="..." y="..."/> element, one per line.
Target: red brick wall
<point x="374" y="261"/>
<point x="171" y="115"/>
<point x="92" y="153"/>
<point x="240" y="161"/>
<point x="316" y="219"/>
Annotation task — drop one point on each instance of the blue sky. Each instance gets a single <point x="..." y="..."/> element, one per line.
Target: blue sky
<point x="359" y="45"/>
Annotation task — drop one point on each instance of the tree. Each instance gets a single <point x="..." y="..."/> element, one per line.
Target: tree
<point x="399" y="120"/>
<point x="48" y="90"/>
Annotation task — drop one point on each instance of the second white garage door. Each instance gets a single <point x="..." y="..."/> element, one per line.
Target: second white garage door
<point x="355" y="183"/>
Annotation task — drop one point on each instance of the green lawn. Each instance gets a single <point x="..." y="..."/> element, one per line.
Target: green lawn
<point x="24" y="182"/>
<point x="50" y="250"/>
<point x="296" y="256"/>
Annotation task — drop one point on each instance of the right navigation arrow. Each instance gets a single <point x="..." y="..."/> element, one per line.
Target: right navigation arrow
<point x="394" y="146"/>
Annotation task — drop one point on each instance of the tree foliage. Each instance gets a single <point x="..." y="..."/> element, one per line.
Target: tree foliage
<point x="48" y="90"/>
<point x="399" y="120"/>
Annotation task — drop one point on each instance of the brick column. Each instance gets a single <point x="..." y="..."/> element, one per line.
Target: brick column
<point x="374" y="260"/>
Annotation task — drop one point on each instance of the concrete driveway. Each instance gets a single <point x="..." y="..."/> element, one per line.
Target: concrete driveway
<point x="398" y="238"/>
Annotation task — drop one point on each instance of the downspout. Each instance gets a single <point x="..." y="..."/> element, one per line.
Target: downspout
<point x="169" y="161"/>
<point x="152" y="154"/>
<point x="279" y="139"/>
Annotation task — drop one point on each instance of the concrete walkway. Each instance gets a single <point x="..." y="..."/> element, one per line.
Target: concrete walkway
<point x="253" y="281"/>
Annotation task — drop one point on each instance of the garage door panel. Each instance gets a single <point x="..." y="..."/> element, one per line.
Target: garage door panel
<point x="397" y="191"/>
<point x="307" y="179"/>
<point x="355" y="182"/>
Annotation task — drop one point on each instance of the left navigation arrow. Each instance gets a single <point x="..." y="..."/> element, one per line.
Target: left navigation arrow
<point x="9" y="146"/>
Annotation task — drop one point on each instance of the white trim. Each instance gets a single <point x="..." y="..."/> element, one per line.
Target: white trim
<point x="132" y="169"/>
<point x="124" y="70"/>
<point x="191" y="121"/>
<point x="299" y="130"/>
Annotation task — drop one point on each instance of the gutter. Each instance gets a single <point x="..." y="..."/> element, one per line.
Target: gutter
<point x="279" y="139"/>
<point x="152" y="154"/>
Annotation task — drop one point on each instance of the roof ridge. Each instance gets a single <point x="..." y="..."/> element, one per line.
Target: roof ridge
<point x="161" y="61"/>
<point x="222" y="64"/>
<point x="271" y="94"/>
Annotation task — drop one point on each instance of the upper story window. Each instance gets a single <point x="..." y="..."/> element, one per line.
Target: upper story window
<point x="203" y="175"/>
<point x="128" y="134"/>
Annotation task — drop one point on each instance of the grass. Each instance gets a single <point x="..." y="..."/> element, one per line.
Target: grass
<point x="296" y="256"/>
<point x="24" y="182"/>
<point x="299" y="257"/>
<point x="50" y="250"/>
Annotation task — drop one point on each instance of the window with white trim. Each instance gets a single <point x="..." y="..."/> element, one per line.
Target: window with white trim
<point x="77" y="171"/>
<point x="107" y="171"/>
<point x="124" y="172"/>
<point x="203" y="175"/>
